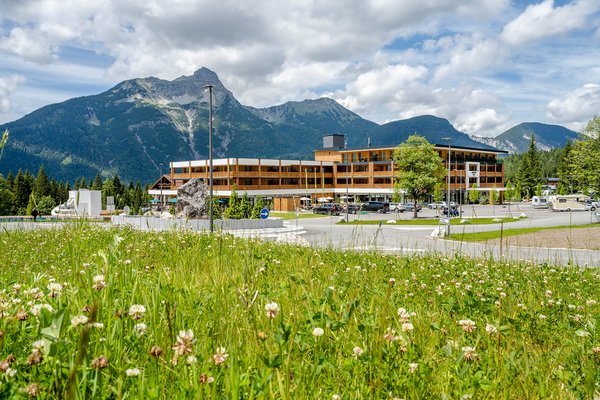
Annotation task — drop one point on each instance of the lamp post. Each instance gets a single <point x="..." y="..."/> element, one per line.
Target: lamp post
<point x="210" y="156"/>
<point x="161" y="188"/>
<point x="347" y="172"/>
<point x="448" y="193"/>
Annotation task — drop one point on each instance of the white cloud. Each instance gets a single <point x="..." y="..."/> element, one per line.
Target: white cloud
<point x="8" y="85"/>
<point x="543" y="20"/>
<point x="576" y="108"/>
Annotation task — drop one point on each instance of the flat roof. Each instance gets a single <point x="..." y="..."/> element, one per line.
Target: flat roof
<point x="249" y="161"/>
<point x="444" y="146"/>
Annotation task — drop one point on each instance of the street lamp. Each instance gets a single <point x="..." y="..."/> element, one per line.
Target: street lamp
<point x="162" y="206"/>
<point x="210" y="156"/>
<point x="448" y="193"/>
<point x="347" y="172"/>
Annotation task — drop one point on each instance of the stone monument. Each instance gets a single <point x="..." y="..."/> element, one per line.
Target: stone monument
<point x="192" y="199"/>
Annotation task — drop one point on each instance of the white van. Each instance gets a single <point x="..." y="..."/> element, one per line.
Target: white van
<point x="568" y="202"/>
<point x="539" y="202"/>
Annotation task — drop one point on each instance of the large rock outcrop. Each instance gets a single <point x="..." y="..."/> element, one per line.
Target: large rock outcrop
<point x="192" y="199"/>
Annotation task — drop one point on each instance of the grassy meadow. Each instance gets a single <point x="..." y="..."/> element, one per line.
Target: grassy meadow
<point x="99" y="313"/>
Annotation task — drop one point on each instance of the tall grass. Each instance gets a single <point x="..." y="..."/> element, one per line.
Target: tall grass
<point x="357" y="325"/>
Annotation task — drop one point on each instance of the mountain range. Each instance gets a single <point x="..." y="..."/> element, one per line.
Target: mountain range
<point x="134" y="127"/>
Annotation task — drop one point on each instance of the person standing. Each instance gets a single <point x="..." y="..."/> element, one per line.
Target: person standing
<point x="35" y="213"/>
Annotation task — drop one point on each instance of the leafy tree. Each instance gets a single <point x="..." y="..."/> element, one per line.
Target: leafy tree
<point x="581" y="165"/>
<point x="31" y="204"/>
<point x="419" y="168"/>
<point x="474" y="194"/>
<point x="517" y="192"/>
<point x="45" y="205"/>
<point x="538" y="190"/>
<point x="494" y="196"/>
<point x="438" y="193"/>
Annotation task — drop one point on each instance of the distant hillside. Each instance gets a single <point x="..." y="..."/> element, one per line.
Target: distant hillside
<point x="132" y="128"/>
<point x="516" y="139"/>
<point x="434" y="129"/>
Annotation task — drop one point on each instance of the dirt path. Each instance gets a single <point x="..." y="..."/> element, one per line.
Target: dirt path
<point x="576" y="238"/>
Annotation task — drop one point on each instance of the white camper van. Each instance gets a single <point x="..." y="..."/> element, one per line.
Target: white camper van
<point x="568" y="202"/>
<point x="539" y="202"/>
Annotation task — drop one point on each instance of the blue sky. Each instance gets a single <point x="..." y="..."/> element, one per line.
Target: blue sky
<point x="485" y="65"/>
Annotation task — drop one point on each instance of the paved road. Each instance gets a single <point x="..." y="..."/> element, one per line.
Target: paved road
<point x="325" y="232"/>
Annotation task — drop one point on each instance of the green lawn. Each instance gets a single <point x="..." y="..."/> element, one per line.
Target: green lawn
<point x="90" y="312"/>
<point x="483" y="236"/>
<point x="434" y="221"/>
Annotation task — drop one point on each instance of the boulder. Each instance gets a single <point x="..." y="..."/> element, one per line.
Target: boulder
<point x="192" y="199"/>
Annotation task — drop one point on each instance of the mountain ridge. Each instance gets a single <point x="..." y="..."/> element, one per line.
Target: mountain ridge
<point x="133" y="127"/>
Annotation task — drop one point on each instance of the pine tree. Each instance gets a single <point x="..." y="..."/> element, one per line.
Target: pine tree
<point x="97" y="183"/>
<point x="10" y="181"/>
<point x="41" y="186"/>
<point x="258" y="206"/>
<point x="233" y="209"/>
<point x="530" y="170"/>
<point x="245" y="206"/>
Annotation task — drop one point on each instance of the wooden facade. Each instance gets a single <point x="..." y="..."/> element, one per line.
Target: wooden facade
<point x="334" y="173"/>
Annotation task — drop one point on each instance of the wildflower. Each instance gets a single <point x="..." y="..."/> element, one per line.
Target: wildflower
<point x="100" y="362"/>
<point x="467" y="325"/>
<point x="220" y="356"/>
<point x="392" y="281"/>
<point x="412" y="367"/>
<point x="156" y="351"/>
<point x="390" y="335"/>
<point x="590" y="303"/>
<point x="33" y="389"/>
<point x="21" y="315"/>
<point x="596" y="350"/>
<point x="36" y="293"/>
<point x="262" y="335"/>
<point x="542" y="317"/>
<point x="38" y="344"/>
<point x="17" y="288"/>
<point x="37" y="308"/>
<point x="357" y="352"/>
<point x="97" y="325"/>
<point x="204" y="379"/>
<point x="137" y="311"/>
<point x="35" y="357"/>
<point x="133" y="372"/>
<point x="336" y="397"/>
<point x="403" y="314"/>
<point x="272" y="310"/>
<point x="490" y="329"/>
<point x="317" y="332"/>
<point x="548" y="293"/>
<point x="140" y="329"/>
<point x="99" y="282"/>
<point x="54" y="289"/>
<point x="79" y="320"/>
<point x="582" y="333"/>
<point x="469" y="353"/>
<point x="185" y="343"/>
<point x="407" y="327"/>
<point x="191" y="360"/>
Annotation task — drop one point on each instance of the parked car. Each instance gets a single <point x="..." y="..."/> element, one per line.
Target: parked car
<point x="435" y="206"/>
<point x="327" y="208"/>
<point x="397" y="207"/>
<point x="352" y="208"/>
<point x="410" y="206"/>
<point x="379" y="206"/>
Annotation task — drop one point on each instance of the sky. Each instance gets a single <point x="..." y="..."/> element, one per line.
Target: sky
<point x="485" y="65"/>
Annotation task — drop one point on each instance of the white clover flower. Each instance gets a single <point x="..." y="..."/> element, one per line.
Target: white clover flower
<point x="38" y="345"/>
<point x="54" y="289"/>
<point x="542" y="317"/>
<point x="469" y="353"/>
<point x="336" y="397"/>
<point x="79" y="320"/>
<point x="133" y="372"/>
<point x="467" y="325"/>
<point x="317" y="332"/>
<point x="357" y="352"/>
<point x="99" y="282"/>
<point x="272" y="309"/>
<point x="490" y="329"/>
<point x="140" y="329"/>
<point x="412" y="367"/>
<point x="407" y="327"/>
<point x="97" y="325"/>
<point x="37" y="308"/>
<point x="220" y="356"/>
<point x="590" y="303"/>
<point x="137" y="311"/>
<point x="191" y="360"/>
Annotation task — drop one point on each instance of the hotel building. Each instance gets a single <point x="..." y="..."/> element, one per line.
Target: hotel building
<point x="336" y="173"/>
